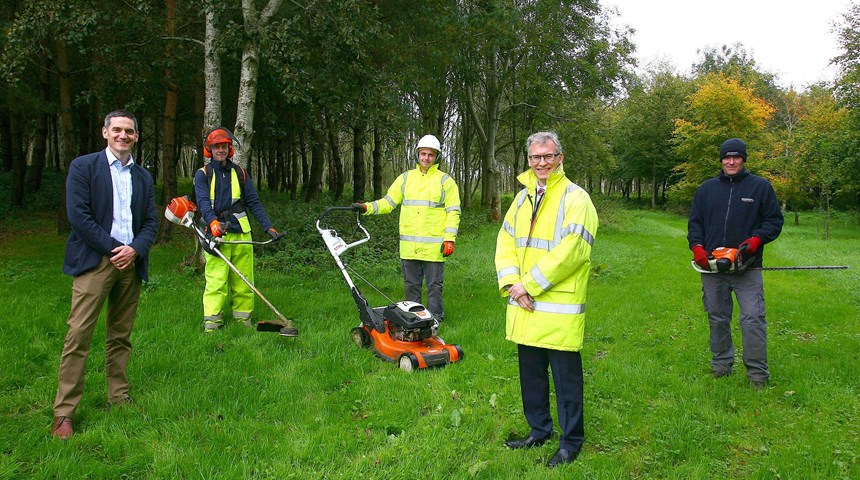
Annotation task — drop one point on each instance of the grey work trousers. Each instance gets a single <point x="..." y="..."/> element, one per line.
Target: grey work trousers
<point x="748" y="287"/>
<point x="416" y="272"/>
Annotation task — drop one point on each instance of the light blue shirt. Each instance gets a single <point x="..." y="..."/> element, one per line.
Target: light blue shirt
<point x="120" y="176"/>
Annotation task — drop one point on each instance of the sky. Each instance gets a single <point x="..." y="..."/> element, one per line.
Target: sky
<point x="794" y="40"/>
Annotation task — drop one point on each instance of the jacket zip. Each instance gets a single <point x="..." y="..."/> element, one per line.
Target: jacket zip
<point x="728" y="210"/>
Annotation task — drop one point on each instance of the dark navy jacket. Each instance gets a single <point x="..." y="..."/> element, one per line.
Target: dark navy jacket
<point x="224" y="194"/>
<point x="89" y="205"/>
<point x="728" y="210"/>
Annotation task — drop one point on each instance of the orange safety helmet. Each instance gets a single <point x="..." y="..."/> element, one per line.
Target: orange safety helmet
<point x="219" y="135"/>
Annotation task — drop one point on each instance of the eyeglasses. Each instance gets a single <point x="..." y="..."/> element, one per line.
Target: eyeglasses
<point x="549" y="157"/>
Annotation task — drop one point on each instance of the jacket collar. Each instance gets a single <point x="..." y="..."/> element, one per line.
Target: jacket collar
<point x="217" y="165"/>
<point x="432" y="168"/>
<point x="529" y="179"/>
<point x="736" y="178"/>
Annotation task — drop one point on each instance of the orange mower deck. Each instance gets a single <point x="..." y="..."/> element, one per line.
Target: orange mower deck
<point x="409" y="356"/>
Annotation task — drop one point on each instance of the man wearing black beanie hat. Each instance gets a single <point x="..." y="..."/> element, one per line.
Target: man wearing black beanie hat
<point x="737" y="210"/>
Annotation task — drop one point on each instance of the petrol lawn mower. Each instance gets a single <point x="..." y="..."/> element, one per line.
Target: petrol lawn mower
<point x="403" y="332"/>
<point x="733" y="260"/>
<point x="181" y="211"/>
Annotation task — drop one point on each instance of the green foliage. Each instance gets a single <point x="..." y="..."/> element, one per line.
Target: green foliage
<point x="641" y="135"/>
<point x="720" y="109"/>
<point x="238" y="404"/>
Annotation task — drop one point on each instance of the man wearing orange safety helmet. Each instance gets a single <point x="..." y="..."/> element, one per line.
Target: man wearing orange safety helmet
<point x="225" y="195"/>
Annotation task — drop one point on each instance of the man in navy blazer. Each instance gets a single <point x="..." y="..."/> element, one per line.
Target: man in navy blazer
<point x="110" y="202"/>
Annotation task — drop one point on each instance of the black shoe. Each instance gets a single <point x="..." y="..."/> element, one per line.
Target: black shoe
<point x="526" y="442"/>
<point x="561" y="457"/>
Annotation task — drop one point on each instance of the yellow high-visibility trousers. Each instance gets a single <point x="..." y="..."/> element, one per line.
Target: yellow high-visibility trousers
<point x="221" y="281"/>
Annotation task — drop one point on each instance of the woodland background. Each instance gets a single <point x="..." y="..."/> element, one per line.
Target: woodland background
<point x="331" y="96"/>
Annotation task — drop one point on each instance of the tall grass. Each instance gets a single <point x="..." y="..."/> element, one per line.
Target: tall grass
<point x="238" y="404"/>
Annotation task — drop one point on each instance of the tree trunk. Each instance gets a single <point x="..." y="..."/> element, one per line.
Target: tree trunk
<point x="294" y="167"/>
<point x="211" y="71"/>
<point x="303" y="151"/>
<point x="275" y="165"/>
<point x="466" y="141"/>
<point x="254" y="23"/>
<point x="336" y="172"/>
<point x="6" y="139"/>
<point x="67" y="129"/>
<point x="168" y="158"/>
<point x="377" y="162"/>
<point x="40" y="137"/>
<point x="359" y="171"/>
<point x="314" y="187"/>
<point x="19" y="159"/>
<point x="199" y="122"/>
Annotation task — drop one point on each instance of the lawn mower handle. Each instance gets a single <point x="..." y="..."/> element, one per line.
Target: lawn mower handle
<point x="331" y="209"/>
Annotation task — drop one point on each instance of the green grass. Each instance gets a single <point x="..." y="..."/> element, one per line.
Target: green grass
<point x="238" y="404"/>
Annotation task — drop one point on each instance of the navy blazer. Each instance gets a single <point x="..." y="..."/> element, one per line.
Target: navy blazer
<point x="89" y="205"/>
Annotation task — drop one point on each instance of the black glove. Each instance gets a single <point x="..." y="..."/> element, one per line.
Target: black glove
<point x="273" y="233"/>
<point x="359" y="207"/>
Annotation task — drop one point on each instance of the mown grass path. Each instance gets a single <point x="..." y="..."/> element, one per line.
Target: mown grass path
<point x="238" y="404"/>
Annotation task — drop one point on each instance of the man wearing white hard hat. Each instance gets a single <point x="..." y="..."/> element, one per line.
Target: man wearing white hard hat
<point x="429" y="221"/>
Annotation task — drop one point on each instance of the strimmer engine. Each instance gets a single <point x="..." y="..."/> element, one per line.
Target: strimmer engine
<point x="410" y="321"/>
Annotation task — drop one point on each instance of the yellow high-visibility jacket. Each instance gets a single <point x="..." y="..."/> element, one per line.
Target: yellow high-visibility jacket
<point x="552" y="259"/>
<point x="430" y="212"/>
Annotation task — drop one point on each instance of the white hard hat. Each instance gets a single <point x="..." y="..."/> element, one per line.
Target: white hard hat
<point x="429" y="141"/>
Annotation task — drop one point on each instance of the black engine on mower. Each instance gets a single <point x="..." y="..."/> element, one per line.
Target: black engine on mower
<point x="410" y="322"/>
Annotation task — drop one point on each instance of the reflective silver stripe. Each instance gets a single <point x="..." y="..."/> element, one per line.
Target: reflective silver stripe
<point x="442" y="196"/>
<point x="240" y="215"/>
<point x="375" y="207"/>
<point x="577" y="229"/>
<point x="244" y="315"/>
<point x="452" y="230"/>
<point x="213" y="318"/>
<point x="390" y="201"/>
<point x="410" y="238"/>
<point x="560" y="308"/>
<point x="538" y="277"/>
<point x="455" y="208"/>
<point x="403" y="186"/>
<point x="508" y="228"/>
<point x="536" y="243"/>
<point x="423" y="203"/>
<point x="508" y="271"/>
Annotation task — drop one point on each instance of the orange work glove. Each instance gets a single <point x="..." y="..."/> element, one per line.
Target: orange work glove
<point x="359" y="207"/>
<point x="273" y="233"/>
<point x="447" y="249"/>
<point x="216" y="228"/>
<point x="700" y="256"/>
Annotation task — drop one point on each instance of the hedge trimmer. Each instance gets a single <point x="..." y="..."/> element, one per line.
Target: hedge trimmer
<point x="733" y="260"/>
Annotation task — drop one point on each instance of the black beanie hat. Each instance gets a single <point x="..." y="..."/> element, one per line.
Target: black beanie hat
<point x="733" y="147"/>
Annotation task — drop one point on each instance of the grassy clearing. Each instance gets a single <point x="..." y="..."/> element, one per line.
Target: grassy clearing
<point x="243" y="405"/>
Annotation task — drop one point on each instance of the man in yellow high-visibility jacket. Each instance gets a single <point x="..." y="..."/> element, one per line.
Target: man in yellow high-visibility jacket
<point x="543" y="253"/>
<point x="429" y="223"/>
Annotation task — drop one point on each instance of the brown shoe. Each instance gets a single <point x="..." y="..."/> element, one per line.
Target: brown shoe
<point x="62" y="428"/>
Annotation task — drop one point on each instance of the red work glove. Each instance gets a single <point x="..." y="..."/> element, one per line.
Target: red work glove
<point x="700" y="256"/>
<point x="273" y="233"/>
<point x="359" y="207"/>
<point x="216" y="228"/>
<point x="752" y="245"/>
<point x="447" y="249"/>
